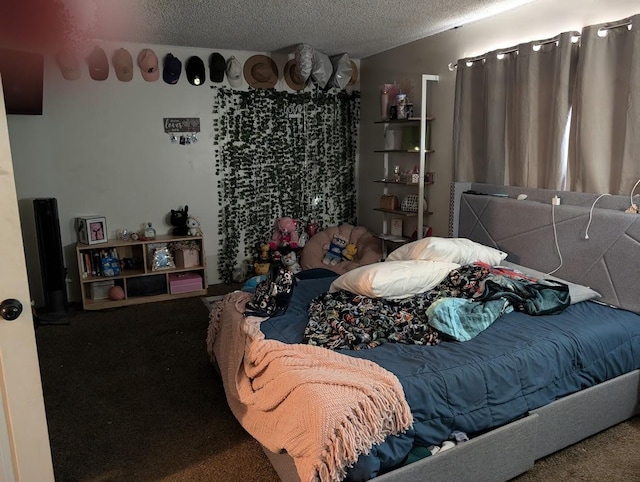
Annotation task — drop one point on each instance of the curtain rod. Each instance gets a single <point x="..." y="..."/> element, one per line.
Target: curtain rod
<point x="508" y="50"/>
<point x="620" y="23"/>
<point x="626" y="22"/>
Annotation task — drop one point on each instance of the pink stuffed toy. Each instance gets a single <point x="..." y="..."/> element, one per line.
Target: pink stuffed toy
<point x="284" y="234"/>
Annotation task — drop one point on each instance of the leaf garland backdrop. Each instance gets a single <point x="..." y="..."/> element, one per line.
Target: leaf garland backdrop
<point x="281" y="154"/>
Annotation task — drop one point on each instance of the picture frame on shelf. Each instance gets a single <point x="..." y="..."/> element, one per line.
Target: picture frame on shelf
<point x="160" y="257"/>
<point x="92" y="229"/>
<point x="396" y="227"/>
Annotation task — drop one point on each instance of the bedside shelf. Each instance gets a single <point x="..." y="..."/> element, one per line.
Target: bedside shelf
<point x="405" y="154"/>
<point x="398" y="183"/>
<point x="391" y="238"/>
<point x="403" y="151"/>
<point x="410" y="120"/>
<point x="398" y="212"/>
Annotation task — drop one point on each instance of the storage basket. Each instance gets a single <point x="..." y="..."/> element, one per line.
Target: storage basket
<point x="388" y="201"/>
<point x="410" y="203"/>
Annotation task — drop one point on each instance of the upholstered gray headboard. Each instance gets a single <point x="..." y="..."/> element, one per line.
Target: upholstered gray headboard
<point x="608" y="261"/>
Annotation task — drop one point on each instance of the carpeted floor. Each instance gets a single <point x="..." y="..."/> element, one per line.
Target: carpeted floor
<point x="130" y="395"/>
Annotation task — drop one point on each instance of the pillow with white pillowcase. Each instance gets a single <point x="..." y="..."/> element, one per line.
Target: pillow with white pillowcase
<point x="452" y="250"/>
<point x="393" y="279"/>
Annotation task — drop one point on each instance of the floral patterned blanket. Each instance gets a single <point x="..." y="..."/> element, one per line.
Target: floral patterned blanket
<point x="465" y="303"/>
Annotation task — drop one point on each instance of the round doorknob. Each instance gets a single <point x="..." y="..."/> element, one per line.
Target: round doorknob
<point x="10" y="309"/>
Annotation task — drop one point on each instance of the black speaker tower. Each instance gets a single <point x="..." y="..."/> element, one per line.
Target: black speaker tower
<point x="51" y="260"/>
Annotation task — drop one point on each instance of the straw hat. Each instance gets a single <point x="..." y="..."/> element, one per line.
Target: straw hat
<point x="354" y="74"/>
<point x="293" y="77"/>
<point x="260" y="72"/>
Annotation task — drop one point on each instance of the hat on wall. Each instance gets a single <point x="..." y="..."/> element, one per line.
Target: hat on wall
<point x="123" y="65"/>
<point x="98" y="64"/>
<point x="69" y="65"/>
<point x="260" y="72"/>
<point x="234" y="72"/>
<point x="196" y="73"/>
<point x="292" y="76"/>
<point x="216" y="67"/>
<point x="172" y="69"/>
<point x="148" y="63"/>
<point x="354" y="74"/>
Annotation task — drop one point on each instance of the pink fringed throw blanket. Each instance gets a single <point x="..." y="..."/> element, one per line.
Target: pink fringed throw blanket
<point x="322" y="407"/>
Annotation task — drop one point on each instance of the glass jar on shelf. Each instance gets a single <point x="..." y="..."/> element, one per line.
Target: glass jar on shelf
<point x="150" y="232"/>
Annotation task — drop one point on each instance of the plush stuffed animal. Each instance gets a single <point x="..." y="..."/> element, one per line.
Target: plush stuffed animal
<point x="261" y="267"/>
<point x="284" y="234"/>
<point x="194" y="226"/>
<point x="262" y="263"/>
<point x="290" y="260"/>
<point x="304" y="237"/>
<point x="264" y="252"/>
<point x="334" y="250"/>
<point x="178" y="220"/>
<point x="349" y="252"/>
<point x="251" y="283"/>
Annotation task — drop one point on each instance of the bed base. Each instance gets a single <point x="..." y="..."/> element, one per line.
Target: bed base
<point x="519" y="444"/>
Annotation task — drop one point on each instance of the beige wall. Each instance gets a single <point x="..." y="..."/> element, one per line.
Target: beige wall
<point x="538" y="20"/>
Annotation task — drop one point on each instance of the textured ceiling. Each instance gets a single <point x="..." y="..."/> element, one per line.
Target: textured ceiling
<point x="358" y="27"/>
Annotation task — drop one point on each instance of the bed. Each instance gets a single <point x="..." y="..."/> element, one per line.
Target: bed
<point x="522" y="388"/>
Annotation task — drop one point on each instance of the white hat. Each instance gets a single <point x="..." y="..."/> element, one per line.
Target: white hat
<point x="234" y="72"/>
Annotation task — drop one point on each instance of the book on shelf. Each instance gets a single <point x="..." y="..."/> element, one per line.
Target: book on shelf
<point x="100" y="262"/>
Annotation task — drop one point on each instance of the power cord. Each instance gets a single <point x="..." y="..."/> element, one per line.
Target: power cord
<point x="633" y="208"/>
<point x="555" y="237"/>
<point x="586" y="231"/>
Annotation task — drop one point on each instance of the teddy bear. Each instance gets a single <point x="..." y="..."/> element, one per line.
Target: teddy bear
<point x="334" y="250"/>
<point x="262" y="263"/>
<point x="193" y="226"/>
<point x="178" y="220"/>
<point x="284" y="234"/>
<point x="349" y="252"/>
<point x="290" y="260"/>
<point x="261" y="267"/>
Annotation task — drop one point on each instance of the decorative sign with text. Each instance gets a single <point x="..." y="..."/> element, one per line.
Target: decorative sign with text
<point x="181" y="124"/>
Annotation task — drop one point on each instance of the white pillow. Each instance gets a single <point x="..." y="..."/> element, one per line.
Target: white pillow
<point x="453" y="250"/>
<point x="393" y="279"/>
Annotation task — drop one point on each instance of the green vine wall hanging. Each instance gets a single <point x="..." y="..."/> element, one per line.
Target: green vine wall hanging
<point x="281" y="154"/>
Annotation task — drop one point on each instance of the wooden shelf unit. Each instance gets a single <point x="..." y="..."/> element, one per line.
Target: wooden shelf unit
<point x="422" y="153"/>
<point x="132" y="280"/>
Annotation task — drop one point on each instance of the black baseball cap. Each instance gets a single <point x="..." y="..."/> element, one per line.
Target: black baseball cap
<point x="196" y="73"/>
<point x="217" y="65"/>
<point x="172" y="69"/>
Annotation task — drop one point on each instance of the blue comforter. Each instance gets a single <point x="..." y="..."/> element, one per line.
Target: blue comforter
<point x="517" y="364"/>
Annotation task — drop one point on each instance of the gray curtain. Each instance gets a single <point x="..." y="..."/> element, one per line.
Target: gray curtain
<point x="512" y="114"/>
<point x="606" y="153"/>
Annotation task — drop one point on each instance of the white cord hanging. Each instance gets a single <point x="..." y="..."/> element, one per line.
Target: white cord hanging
<point x="586" y="231"/>
<point x="633" y="208"/>
<point x="555" y="237"/>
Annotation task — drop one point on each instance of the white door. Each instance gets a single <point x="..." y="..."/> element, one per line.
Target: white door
<point x="25" y="454"/>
